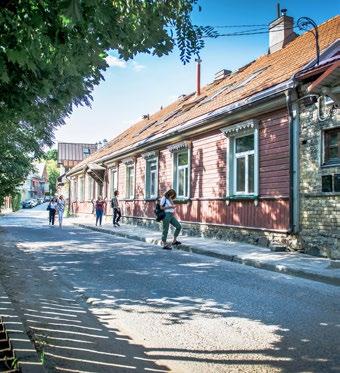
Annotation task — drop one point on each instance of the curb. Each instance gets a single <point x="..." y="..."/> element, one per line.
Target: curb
<point x="24" y="352"/>
<point x="228" y="257"/>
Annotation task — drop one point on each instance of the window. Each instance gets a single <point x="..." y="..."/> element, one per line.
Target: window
<point x="86" y="152"/>
<point x="81" y="189"/>
<point x="75" y="190"/>
<point x="151" y="178"/>
<point x="90" y="188"/>
<point x="114" y="181"/>
<point x="181" y="173"/>
<point x="130" y="181"/>
<point x="242" y="159"/>
<point x="244" y="165"/>
<point x="330" y="183"/>
<point x="332" y="146"/>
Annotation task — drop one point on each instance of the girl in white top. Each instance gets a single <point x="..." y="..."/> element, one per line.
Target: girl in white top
<point x="60" y="208"/>
<point x="168" y="206"/>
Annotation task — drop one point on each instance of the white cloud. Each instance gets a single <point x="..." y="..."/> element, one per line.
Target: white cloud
<point x="137" y="67"/>
<point x="115" y="61"/>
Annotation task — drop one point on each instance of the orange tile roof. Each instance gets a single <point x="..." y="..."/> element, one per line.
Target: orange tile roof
<point x="267" y="71"/>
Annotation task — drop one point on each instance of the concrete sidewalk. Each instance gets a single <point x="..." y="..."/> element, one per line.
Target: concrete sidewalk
<point x="291" y="263"/>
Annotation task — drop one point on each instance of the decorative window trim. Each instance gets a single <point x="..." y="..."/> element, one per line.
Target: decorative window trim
<point x="129" y="161"/>
<point x="242" y="126"/>
<point x="232" y="132"/>
<point x="150" y="155"/>
<point x="179" y="146"/>
<point x="149" y="159"/>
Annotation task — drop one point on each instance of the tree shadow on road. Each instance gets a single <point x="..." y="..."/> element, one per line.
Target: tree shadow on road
<point x="294" y="339"/>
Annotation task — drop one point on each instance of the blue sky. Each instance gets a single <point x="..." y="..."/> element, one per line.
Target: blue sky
<point x="144" y="85"/>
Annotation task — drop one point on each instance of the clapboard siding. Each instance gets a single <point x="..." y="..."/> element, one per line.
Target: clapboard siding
<point x="209" y="174"/>
<point x="274" y="154"/>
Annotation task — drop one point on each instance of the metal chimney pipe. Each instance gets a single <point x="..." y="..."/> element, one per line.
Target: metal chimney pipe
<point x="198" y="76"/>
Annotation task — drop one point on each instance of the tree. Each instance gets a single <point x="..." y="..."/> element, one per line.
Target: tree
<point x="52" y="54"/>
<point x="52" y="173"/>
<point x="51" y="154"/>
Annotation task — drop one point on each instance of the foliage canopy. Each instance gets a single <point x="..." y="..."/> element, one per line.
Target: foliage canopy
<point x="52" y="55"/>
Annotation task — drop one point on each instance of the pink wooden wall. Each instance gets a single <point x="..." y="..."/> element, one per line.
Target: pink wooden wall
<point x="208" y="181"/>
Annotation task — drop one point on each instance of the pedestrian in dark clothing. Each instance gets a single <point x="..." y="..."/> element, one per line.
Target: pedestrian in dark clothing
<point x="52" y="206"/>
<point x="116" y="209"/>
<point x="100" y="203"/>
<point x="168" y="206"/>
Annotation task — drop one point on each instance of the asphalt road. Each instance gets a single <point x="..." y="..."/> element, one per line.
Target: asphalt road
<point x="190" y="313"/>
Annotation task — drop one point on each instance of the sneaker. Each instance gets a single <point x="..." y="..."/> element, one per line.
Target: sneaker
<point x="167" y="247"/>
<point x="117" y="224"/>
<point x="177" y="243"/>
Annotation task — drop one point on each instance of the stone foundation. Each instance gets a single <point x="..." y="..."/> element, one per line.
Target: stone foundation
<point x="225" y="233"/>
<point x="320" y="221"/>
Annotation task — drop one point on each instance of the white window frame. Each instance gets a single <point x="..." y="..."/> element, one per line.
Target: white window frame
<point x="323" y="148"/>
<point x="244" y="155"/>
<point x="90" y="185"/>
<point x="238" y="130"/>
<point x="113" y="180"/>
<point x="81" y="189"/>
<point x="130" y="194"/>
<point x="148" y="163"/>
<point x="177" y="170"/>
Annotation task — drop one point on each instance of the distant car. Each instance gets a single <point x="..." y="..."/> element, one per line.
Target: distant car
<point x="47" y="198"/>
<point x="34" y="202"/>
<point x="40" y="200"/>
<point x="28" y="204"/>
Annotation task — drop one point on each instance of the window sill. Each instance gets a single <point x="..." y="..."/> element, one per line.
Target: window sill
<point x="181" y="201"/>
<point x="242" y="197"/>
<point x="330" y="165"/>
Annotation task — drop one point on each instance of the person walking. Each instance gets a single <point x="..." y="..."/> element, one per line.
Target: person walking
<point x="100" y="203"/>
<point x="60" y="209"/>
<point x="52" y="206"/>
<point x="116" y="209"/>
<point x="168" y="206"/>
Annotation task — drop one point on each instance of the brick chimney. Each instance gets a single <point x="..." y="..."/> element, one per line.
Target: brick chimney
<point x="281" y="32"/>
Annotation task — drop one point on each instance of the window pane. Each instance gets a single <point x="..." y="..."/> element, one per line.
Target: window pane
<point x="245" y="143"/>
<point x="129" y="181"/>
<point x="251" y="173"/>
<point x="181" y="181"/>
<point x="337" y="183"/>
<point x="327" y="183"/>
<point x="183" y="159"/>
<point x="153" y="183"/>
<point x="240" y="175"/>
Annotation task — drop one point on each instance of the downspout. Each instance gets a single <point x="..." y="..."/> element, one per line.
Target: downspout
<point x="69" y="194"/>
<point x="293" y="163"/>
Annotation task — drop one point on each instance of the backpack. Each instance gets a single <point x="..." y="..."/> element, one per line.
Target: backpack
<point x="160" y="214"/>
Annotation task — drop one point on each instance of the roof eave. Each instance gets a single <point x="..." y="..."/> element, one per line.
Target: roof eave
<point x="212" y="116"/>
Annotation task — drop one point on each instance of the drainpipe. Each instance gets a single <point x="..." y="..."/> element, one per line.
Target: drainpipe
<point x="293" y="123"/>
<point x="69" y="194"/>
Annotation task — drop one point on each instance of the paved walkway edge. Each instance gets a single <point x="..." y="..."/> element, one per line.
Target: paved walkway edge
<point x="25" y="354"/>
<point x="333" y="280"/>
